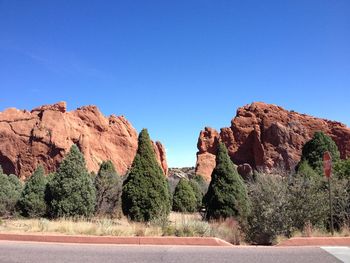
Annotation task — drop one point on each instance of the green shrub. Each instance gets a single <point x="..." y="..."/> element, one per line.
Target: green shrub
<point x="108" y="186"/>
<point x="306" y="171"/>
<point x="307" y="202"/>
<point x="314" y="149"/>
<point x="227" y="194"/>
<point x="282" y="205"/>
<point x="71" y="190"/>
<point x="32" y="201"/>
<point x="269" y="211"/>
<point x="313" y="154"/>
<point x="10" y="191"/>
<point x="184" y="199"/>
<point x="146" y="194"/>
<point x="341" y="202"/>
<point x="342" y="169"/>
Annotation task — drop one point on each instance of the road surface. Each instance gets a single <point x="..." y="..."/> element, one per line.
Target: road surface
<point x="49" y="252"/>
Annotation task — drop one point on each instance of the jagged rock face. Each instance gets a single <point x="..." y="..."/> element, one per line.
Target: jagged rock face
<point x="159" y="149"/>
<point x="45" y="135"/>
<point x="267" y="136"/>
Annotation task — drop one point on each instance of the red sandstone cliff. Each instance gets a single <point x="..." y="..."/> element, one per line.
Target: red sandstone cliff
<point x="267" y="136"/>
<point x="45" y="134"/>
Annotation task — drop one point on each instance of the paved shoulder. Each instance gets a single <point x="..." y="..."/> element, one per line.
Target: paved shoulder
<point x="19" y="252"/>
<point x="341" y="253"/>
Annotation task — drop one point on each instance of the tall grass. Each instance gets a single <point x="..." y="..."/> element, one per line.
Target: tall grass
<point x="178" y="224"/>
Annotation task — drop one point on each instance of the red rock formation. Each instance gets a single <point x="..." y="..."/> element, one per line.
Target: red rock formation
<point x="45" y="134"/>
<point x="267" y="136"/>
<point x="159" y="149"/>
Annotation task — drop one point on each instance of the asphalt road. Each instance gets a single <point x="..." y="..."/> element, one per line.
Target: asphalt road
<point x="47" y="252"/>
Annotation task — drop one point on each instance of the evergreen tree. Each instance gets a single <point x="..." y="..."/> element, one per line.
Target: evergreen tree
<point x="227" y="193"/>
<point x="71" y="190"/>
<point x="203" y="185"/>
<point x="314" y="149"/>
<point x="108" y="186"/>
<point x="32" y="201"/>
<point x="16" y="183"/>
<point x="145" y="193"/>
<point x="10" y="191"/>
<point x="184" y="199"/>
<point x="197" y="192"/>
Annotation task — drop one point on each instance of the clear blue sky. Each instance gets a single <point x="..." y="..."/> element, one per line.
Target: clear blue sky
<point x="177" y="66"/>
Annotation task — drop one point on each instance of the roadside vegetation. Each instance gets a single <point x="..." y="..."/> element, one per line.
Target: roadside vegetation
<point x="261" y="210"/>
<point x="178" y="224"/>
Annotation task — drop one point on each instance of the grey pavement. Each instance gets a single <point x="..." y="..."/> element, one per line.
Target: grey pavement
<point x="342" y="253"/>
<point x="19" y="252"/>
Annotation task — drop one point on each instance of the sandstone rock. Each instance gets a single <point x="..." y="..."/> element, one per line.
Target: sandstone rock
<point x="161" y="156"/>
<point x="267" y="137"/>
<point x="209" y="140"/>
<point x="45" y="134"/>
<point x="59" y="106"/>
<point x="205" y="164"/>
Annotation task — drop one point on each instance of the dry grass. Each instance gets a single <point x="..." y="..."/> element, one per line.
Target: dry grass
<point x="178" y="224"/>
<point x="310" y="231"/>
<point x="97" y="227"/>
<point x="228" y="230"/>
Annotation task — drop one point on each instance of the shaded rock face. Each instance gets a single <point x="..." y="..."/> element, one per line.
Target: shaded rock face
<point x="45" y="135"/>
<point x="267" y="137"/>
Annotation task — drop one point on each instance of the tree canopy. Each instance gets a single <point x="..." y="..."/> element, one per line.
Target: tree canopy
<point x="146" y="194"/>
<point x="71" y="190"/>
<point x="227" y="193"/>
<point x="32" y="201"/>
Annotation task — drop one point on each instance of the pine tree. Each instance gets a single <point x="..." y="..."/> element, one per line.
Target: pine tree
<point x="197" y="192"/>
<point x="184" y="199"/>
<point x="32" y="201"/>
<point x="108" y="186"/>
<point x="314" y="149"/>
<point x="10" y="191"/>
<point x="227" y="193"/>
<point x="71" y="190"/>
<point x="203" y="185"/>
<point x="145" y="193"/>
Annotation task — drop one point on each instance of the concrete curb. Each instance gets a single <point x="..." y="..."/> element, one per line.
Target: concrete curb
<point x="316" y="241"/>
<point x="173" y="241"/>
